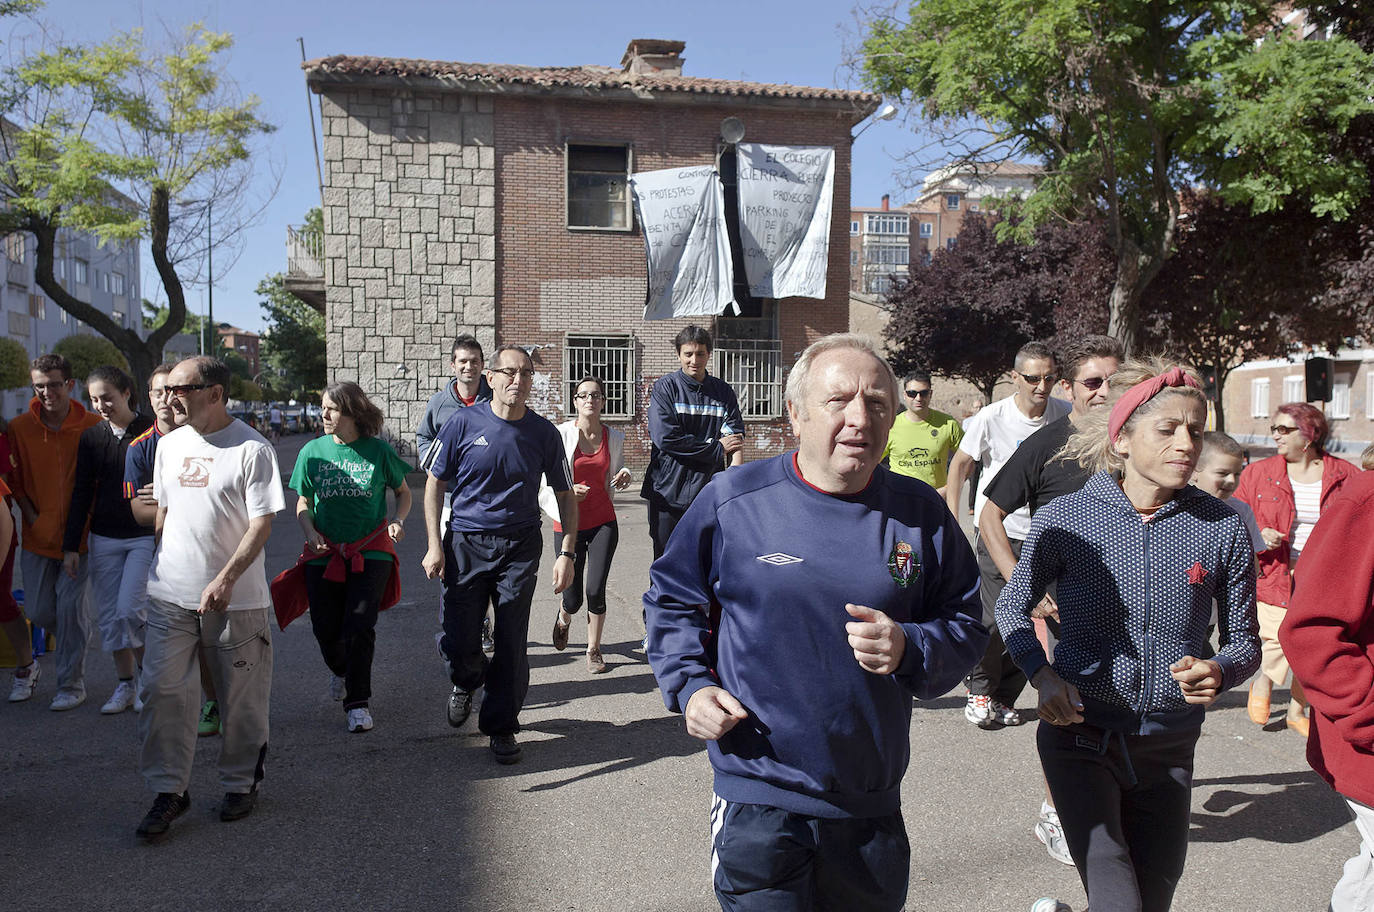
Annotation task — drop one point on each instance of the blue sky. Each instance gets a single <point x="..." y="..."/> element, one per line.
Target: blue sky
<point x="801" y="42"/>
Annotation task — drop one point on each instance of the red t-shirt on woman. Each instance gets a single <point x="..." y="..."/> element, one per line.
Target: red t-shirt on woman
<point x="596" y="508"/>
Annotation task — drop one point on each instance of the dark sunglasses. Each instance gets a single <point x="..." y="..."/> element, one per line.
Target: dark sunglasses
<point x="916" y="394"/>
<point x="184" y="388"/>
<point x="1282" y="430"/>
<point x="1092" y="383"/>
<point x="1036" y="379"/>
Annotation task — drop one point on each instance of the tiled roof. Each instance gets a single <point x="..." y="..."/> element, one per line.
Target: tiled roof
<point x="585" y="77"/>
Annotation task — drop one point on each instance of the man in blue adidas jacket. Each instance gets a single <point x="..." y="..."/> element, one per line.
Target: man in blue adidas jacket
<point x="694" y="428"/>
<point x="843" y="589"/>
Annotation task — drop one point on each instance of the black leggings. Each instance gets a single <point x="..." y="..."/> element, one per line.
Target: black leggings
<point x="1124" y="803"/>
<point x="594" y="549"/>
<point x="344" y="617"/>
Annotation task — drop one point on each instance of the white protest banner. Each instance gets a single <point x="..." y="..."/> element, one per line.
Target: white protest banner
<point x="785" y="195"/>
<point x="682" y="212"/>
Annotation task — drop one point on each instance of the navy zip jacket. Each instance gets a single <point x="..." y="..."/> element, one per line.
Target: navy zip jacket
<point x="781" y="558"/>
<point x="1135" y="595"/>
<point x="98" y="492"/>
<point x="686" y="421"/>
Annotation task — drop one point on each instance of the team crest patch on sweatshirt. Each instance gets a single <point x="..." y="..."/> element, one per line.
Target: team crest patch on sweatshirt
<point x="903" y="564"/>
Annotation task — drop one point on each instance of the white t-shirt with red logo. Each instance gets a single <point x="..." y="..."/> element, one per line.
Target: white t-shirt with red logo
<point x="211" y="486"/>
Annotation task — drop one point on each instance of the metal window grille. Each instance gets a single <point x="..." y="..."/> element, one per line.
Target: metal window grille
<point x="609" y="358"/>
<point x="753" y="368"/>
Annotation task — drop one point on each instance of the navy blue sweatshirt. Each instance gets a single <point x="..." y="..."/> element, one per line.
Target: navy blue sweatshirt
<point x="824" y="737"/>
<point x="1134" y="597"/>
<point x="686" y="421"/>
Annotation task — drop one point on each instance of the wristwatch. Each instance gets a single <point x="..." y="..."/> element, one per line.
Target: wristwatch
<point x="567" y="554"/>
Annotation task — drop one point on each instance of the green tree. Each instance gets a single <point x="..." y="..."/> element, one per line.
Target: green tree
<point x="14" y="364"/>
<point x="127" y="141"/>
<point x="87" y="352"/>
<point x="293" y="343"/>
<point x="1125" y="103"/>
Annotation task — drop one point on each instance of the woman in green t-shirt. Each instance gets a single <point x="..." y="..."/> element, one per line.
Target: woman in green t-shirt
<point x="342" y="479"/>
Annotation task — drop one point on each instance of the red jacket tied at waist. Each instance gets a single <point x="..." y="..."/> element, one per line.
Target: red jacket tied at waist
<point x="289" y="597"/>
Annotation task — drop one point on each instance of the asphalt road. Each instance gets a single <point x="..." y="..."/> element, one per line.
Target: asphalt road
<point x="607" y="810"/>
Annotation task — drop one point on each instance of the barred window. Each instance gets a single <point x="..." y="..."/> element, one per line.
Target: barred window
<point x="752" y="367"/>
<point x="611" y="359"/>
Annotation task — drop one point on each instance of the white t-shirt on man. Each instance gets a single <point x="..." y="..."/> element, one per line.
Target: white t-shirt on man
<point x="211" y="486"/>
<point x="992" y="436"/>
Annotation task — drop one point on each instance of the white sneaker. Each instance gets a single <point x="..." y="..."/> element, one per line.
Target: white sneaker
<point x="138" y="692"/>
<point x="23" y="686"/>
<point x="336" y="688"/>
<point x="359" y="720"/>
<point x="978" y="710"/>
<point x="1049" y="831"/>
<point x="67" y="699"/>
<point x="122" y="698"/>
<point x="1003" y="714"/>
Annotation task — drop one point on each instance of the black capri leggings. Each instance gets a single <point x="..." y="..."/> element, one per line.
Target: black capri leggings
<point x="592" y="565"/>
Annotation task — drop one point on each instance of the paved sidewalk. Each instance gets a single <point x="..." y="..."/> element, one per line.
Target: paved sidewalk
<point x="607" y="810"/>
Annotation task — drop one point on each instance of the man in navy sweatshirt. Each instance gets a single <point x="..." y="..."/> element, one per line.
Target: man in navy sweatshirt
<point x="803" y="688"/>
<point x="694" y="427"/>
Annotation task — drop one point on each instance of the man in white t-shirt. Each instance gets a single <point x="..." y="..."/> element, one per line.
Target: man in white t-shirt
<point x="991" y="437"/>
<point x="217" y="486"/>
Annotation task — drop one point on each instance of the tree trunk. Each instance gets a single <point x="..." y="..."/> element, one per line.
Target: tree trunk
<point x="142" y="354"/>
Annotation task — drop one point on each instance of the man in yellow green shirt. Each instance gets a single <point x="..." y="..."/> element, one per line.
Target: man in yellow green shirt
<point x="922" y="439"/>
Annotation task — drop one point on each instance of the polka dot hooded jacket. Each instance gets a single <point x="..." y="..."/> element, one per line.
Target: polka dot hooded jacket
<point x="1135" y="595"/>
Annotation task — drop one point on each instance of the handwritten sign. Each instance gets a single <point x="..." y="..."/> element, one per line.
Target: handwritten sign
<point x="785" y="197"/>
<point x="682" y="212"/>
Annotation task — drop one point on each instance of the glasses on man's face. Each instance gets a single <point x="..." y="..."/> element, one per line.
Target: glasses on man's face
<point x="51" y="385"/>
<point x="1036" y="379"/>
<point x="1091" y="383"/>
<point x="180" y="390"/>
<point x="918" y="394"/>
<point x="510" y="373"/>
<point x="594" y="397"/>
<point x="1281" y="430"/>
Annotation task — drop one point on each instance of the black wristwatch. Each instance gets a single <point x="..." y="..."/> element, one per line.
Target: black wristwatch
<point x="567" y="554"/>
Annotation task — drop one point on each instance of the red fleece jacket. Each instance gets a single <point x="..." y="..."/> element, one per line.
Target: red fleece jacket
<point x="1328" y="638"/>
<point x="289" y="598"/>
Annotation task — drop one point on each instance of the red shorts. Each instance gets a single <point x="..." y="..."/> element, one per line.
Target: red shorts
<point x="9" y="608"/>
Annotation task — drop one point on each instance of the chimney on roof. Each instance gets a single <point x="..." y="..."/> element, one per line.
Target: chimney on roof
<point x="653" y="57"/>
<point x="887" y="201"/>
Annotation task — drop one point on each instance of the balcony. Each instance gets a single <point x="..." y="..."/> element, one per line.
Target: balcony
<point x="305" y="265"/>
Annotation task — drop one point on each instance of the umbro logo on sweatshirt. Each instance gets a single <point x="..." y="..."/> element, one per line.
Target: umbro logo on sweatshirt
<point x="778" y="559"/>
<point x="481" y="441"/>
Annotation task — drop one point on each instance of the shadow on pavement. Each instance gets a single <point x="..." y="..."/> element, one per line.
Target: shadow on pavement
<point x="1285" y="808"/>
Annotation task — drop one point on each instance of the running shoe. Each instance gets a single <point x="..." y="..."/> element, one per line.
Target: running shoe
<point x="209" y="719"/>
<point x="1004" y="715"/>
<point x="978" y="710"/>
<point x="167" y="806"/>
<point x="24" y="681"/>
<point x="505" y="749"/>
<point x="560" y="632"/>
<point x="123" y="697"/>
<point x="359" y="719"/>
<point x="459" y="706"/>
<point x="488" y="644"/>
<point x="1049" y="831"/>
<point x="67" y="699"/>
<point x="336" y="688"/>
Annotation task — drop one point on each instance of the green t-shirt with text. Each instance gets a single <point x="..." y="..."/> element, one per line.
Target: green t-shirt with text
<point x="922" y="449"/>
<point x="347" y="484"/>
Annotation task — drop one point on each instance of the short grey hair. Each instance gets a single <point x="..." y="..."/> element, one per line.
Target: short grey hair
<point x="800" y="374"/>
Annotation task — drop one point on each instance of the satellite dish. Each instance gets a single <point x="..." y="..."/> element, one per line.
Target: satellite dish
<point x="732" y="130"/>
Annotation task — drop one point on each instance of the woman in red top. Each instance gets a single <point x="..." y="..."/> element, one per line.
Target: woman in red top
<point x="1287" y="492"/>
<point x="597" y="456"/>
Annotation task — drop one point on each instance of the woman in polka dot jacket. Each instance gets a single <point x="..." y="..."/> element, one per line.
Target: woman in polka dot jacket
<point x="1138" y="557"/>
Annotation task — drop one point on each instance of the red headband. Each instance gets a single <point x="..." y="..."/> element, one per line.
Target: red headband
<point x="1142" y="393"/>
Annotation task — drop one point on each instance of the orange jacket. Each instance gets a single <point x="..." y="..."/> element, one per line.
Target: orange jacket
<point x="44" y="470"/>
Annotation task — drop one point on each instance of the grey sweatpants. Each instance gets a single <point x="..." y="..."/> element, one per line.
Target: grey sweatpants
<point x="238" y="646"/>
<point x="57" y="603"/>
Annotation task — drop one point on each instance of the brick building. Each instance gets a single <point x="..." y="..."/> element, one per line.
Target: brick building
<point x="245" y="342"/>
<point x="493" y="199"/>
<point x="1255" y="389"/>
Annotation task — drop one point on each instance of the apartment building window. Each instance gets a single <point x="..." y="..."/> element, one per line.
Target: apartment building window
<point x="16" y="245"/>
<point x="1259" y="397"/>
<point x="117" y="283"/>
<point x="611" y="358"/>
<point x="104" y="281"/>
<point x="951" y="201"/>
<point x="80" y="268"/>
<point x="853" y="229"/>
<point x="888" y="256"/>
<point x="598" y="186"/>
<point x="853" y="258"/>
<point x="1340" y="396"/>
<point x="59" y="269"/>
<point x="748" y="356"/>
<point x="1294" y="388"/>
<point x="927" y="229"/>
<point x="888" y="224"/>
<point x="38" y="306"/>
<point x="949" y="243"/>
<point x="62" y="316"/>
